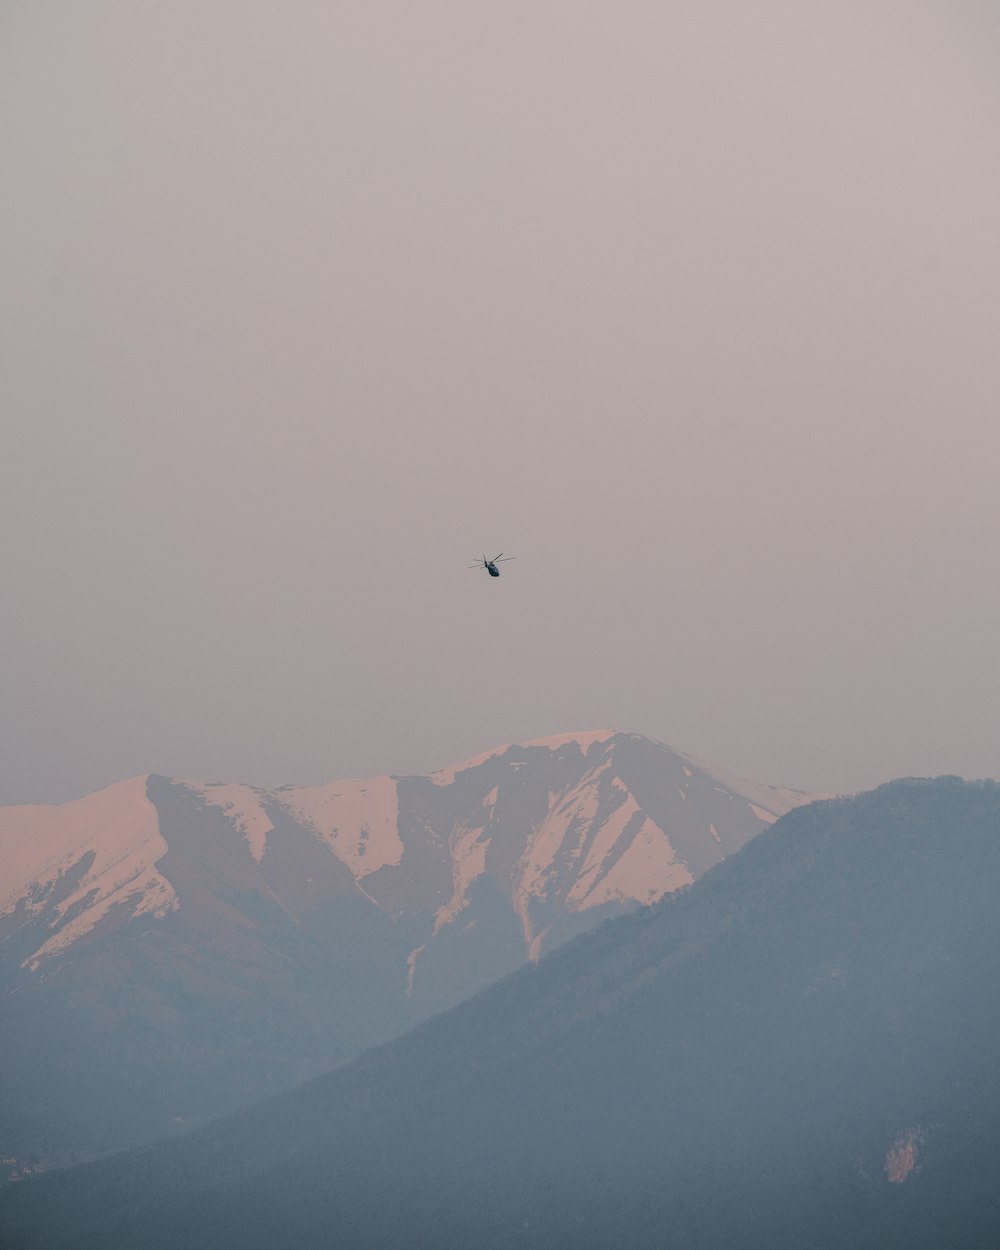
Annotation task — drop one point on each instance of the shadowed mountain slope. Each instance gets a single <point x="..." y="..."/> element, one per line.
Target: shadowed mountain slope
<point x="799" y="1050"/>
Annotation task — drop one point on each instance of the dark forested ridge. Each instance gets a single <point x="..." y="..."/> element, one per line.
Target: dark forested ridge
<point x="800" y="1050"/>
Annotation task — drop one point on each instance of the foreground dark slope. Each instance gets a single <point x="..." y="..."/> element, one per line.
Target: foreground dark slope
<point x="800" y="1050"/>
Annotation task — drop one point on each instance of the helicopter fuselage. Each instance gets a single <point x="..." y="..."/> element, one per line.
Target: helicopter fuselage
<point x="491" y="566"/>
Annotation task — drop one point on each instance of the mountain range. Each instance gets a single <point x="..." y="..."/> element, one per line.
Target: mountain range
<point x="799" y="1050"/>
<point x="171" y="950"/>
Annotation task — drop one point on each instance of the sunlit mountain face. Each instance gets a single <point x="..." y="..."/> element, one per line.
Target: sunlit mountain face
<point x="170" y="950"/>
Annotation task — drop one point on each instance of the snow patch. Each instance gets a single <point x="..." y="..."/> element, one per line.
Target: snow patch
<point x="468" y="861"/>
<point x="356" y="819"/>
<point x="411" y="967"/>
<point x="535" y="949"/>
<point x="902" y="1156"/>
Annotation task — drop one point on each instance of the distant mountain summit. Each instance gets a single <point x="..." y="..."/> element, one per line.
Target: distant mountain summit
<point x="210" y="942"/>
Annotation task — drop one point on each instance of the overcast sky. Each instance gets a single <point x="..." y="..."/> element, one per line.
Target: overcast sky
<point x="693" y="307"/>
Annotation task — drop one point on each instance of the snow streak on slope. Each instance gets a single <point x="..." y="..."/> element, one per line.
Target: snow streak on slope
<point x="468" y="861"/>
<point x="111" y="840"/>
<point x="243" y="806"/>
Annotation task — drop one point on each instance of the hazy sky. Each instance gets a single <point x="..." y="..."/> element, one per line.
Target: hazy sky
<point x="693" y="307"/>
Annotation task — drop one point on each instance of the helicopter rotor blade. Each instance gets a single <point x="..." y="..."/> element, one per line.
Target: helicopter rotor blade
<point x="484" y="563"/>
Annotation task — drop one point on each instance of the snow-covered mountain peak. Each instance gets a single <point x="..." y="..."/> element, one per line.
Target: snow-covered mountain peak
<point x="171" y="917"/>
<point x="446" y="776"/>
<point x="556" y="827"/>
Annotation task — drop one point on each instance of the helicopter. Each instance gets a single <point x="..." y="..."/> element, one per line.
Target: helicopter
<point x="491" y="565"/>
